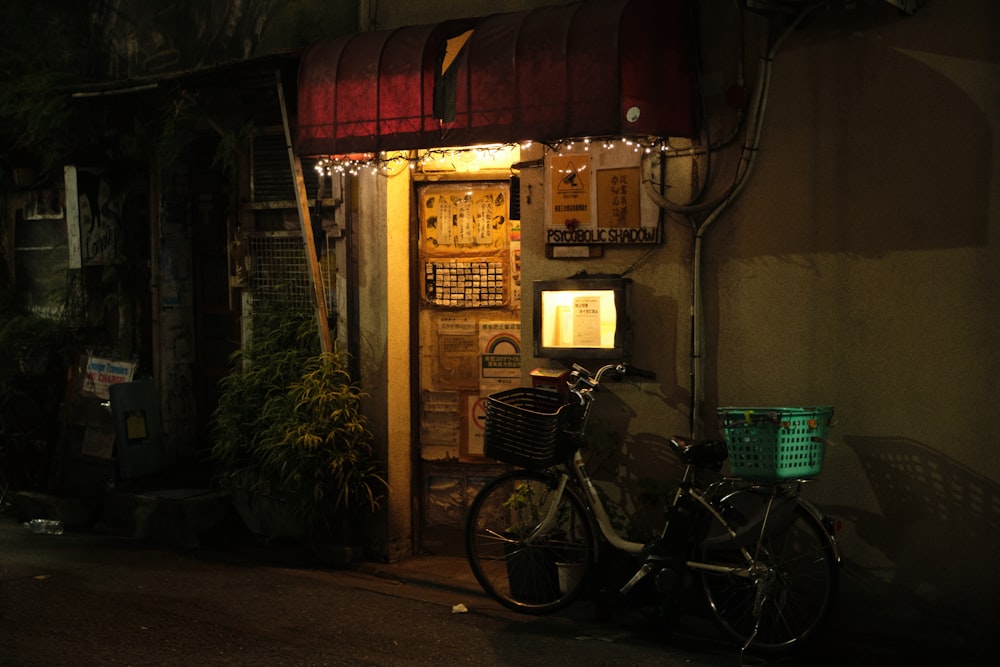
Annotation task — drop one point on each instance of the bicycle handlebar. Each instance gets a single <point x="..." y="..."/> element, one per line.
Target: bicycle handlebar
<point x="583" y="382"/>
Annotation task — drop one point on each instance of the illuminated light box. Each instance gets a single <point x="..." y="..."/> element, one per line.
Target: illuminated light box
<point x="581" y="318"/>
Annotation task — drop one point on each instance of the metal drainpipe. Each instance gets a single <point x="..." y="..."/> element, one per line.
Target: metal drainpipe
<point x="748" y="160"/>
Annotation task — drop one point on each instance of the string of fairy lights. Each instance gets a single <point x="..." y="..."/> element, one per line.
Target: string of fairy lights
<point x="389" y="163"/>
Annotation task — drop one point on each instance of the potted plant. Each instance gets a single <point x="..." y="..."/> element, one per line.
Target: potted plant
<point x="289" y="434"/>
<point x="524" y="511"/>
<point x="531" y="567"/>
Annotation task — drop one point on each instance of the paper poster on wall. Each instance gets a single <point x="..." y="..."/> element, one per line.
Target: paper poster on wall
<point x="102" y="373"/>
<point x="618" y="198"/>
<point x="457" y="354"/>
<point x="570" y="191"/>
<point x="599" y="205"/>
<point x="98" y="442"/>
<point x="587" y="321"/>
<point x="475" y="425"/>
<point x="439" y="417"/>
<point x="439" y="428"/>
<point x="500" y="353"/>
<point x="463" y="216"/>
<point x="464" y="283"/>
<point x="456" y="326"/>
<point x="445" y="503"/>
<point x="95" y="213"/>
<point x="515" y="264"/>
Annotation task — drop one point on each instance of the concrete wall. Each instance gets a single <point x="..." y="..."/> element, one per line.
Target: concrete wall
<point x="172" y="291"/>
<point x="384" y="350"/>
<point x="389" y="14"/>
<point x="858" y="267"/>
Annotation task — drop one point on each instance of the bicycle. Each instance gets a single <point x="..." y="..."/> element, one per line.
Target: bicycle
<point x="766" y="559"/>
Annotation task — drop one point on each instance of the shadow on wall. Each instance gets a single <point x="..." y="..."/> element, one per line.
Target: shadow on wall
<point x="635" y="473"/>
<point x="656" y="322"/>
<point x="939" y="528"/>
<point x="894" y="159"/>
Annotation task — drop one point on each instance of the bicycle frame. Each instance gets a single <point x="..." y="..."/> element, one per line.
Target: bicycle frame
<point x="763" y="556"/>
<point x="780" y="500"/>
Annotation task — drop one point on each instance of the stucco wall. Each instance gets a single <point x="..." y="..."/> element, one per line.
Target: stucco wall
<point x="857" y="267"/>
<point x="389" y="14"/>
<point x="383" y="244"/>
<point x="860" y="269"/>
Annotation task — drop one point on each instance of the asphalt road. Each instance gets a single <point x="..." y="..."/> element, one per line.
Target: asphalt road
<point x="83" y="599"/>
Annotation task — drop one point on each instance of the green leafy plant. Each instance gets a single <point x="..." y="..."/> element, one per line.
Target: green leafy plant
<point x="526" y="507"/>
<point x="523" y="509"/>
<point x="289" y="425"/>
<point x="29" y="340"/>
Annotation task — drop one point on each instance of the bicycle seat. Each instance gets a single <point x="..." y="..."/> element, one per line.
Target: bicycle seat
<point x="700" y="453"/>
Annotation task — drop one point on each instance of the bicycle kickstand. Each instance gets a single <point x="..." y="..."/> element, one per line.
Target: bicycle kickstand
<point x="641" y="574"/>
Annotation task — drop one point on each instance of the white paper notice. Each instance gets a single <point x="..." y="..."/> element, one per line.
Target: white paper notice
<point x="587" y="321"/>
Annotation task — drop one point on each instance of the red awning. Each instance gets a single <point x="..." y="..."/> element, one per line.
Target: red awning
<point x="596" y="68"/>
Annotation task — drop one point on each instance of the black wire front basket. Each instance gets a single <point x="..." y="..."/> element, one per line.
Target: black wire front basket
<point x="526" y="427"/>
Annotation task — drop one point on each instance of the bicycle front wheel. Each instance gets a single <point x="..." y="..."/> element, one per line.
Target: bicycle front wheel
<point x="790" y="591"/>
<point x="523" y="562"/>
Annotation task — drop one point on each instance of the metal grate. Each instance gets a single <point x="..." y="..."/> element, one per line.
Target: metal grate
<point x="271" y="175"/>
<point x="279" y="271"/>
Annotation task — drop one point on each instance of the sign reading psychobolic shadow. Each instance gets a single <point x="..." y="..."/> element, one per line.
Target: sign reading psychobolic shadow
<point x="599" y="205"/>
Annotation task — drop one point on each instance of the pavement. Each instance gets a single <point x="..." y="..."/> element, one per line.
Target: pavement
<point x="848" y="640"/>
<point x="196" y="518"/>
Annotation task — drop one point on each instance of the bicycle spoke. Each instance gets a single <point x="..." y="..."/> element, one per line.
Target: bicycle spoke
<point x="794" y="597"/>
<point x="527" y="553"/>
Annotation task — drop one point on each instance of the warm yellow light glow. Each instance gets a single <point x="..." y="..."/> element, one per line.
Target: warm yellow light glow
<point x="470" y="159"/>
<point x="579" y="318"/>
<point x="473" y="158"/>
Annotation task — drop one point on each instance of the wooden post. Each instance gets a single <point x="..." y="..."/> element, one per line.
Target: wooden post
<point x="302" y="203"/>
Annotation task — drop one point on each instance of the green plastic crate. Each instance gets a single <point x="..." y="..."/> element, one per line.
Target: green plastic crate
<point x="775" y="444"/>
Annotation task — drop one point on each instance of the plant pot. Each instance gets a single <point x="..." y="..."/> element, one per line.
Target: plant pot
<point x="267" y="517"/>
<point x="569" y="576"/>
<point x="532" y="573"/>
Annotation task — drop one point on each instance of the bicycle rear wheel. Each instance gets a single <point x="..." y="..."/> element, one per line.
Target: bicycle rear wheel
<point x="520" y="567"/>
<point x="798" y="568"/>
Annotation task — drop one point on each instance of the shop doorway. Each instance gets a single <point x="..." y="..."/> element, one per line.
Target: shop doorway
<point x="468" y="314"/>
